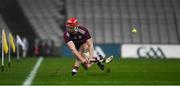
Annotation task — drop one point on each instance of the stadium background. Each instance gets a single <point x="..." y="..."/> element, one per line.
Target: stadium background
<point x="109" y="21"/>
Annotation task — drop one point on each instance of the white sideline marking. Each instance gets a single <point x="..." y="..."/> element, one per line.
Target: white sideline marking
<point x="31" y="76"/>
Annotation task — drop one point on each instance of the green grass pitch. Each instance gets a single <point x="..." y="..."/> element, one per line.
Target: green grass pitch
<point x="55" y="71"/>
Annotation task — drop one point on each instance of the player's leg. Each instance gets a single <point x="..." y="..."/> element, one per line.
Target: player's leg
<point x="76" y="67"/>
<point x="82" y="49"/>
<point x="77" y="63"/>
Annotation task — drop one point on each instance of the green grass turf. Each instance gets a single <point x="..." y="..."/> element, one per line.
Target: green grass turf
<point x="122" y="71"/>
<point x="54" y="71"/>
<point x="17" y="72"/>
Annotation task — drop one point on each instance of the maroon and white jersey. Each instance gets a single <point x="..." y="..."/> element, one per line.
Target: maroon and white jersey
<point x="78" y="38"/>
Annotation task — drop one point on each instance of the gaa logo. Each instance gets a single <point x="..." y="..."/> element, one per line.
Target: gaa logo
<point x="150" y="52"/>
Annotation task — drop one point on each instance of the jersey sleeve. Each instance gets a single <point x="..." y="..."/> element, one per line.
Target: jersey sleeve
<point x="88" y="36"/>
<point x="66" y="37"/>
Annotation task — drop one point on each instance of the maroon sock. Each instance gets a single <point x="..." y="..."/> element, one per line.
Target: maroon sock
<point x="76" y="67"/>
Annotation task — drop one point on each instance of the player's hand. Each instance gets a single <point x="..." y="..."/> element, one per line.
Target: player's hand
<point x="89" y="60"/>
<point x="85" y="64"/>
<point x="85" y="61"/>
